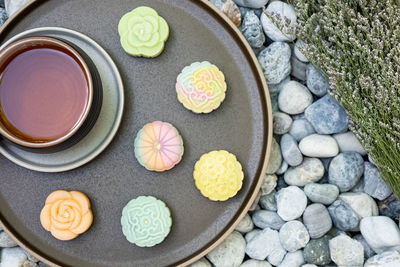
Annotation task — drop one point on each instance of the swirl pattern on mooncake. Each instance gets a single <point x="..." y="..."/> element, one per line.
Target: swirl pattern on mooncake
<point x="158" y="146"/>
<point x="201" y="87"/>
<point x="218" y="175"/>
<point x="146" y="221"/>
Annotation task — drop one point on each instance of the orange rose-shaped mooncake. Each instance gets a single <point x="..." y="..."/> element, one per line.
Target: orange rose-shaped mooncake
<point x="66" y="214"/>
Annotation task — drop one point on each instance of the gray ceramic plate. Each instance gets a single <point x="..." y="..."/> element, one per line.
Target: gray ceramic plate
<point x="242" y="125"/>
<point x="106" y="125"/>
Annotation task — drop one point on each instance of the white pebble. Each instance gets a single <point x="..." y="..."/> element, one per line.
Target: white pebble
<point x="319" y="146"/>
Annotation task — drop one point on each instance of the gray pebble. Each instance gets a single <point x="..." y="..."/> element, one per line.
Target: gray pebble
<point x="268" y="202"/>
<point x="283" y="168"/>
<point x="336" y="232"/>
<point x="374" y="185"/>
<point x="390" y="207"/>
<point x="251" y="234"/>
<point x="294" y="98"/>
<point x="283" y="12"/>
<point x="268" y="184"/>
<point x="290" y="150"/>
<point x="317" y="251"/>
<point x="245" y="225"/>
<point x="203" y="262"/>
<point x="316" y="81"/>
<point x="244" y="10"/>
<point x="275" y="62"/>
<point x="294" y="236"/>
<point x="298" y="48"/>
<point x="255" y="263"/>
<point x="319" y="146"/>
<point x="317" y="220"/>
<point x="291" y="202"/>
<point x="298" y="68"/>
<point x="309" y="171"/>
<point x="343" y="216"/>
<point x="346" y="251"/>
<point x="265" y="244"/>
<point x="381" y="233"/>
<point x="251" y="3"/>
<point x="300" y="129"/>
<point x="267" y="219"/>
<point x="252" y="30"/>
<point x="362" y="204"/>
<point x="390" y="258"/>
<point x="276" y="88"/>
<point x="359" y="187"/>
<point x="275" y="158"/>
<point x="321" y="193"/>
<point x="348" y="143"/>
<point x="230" y="252"/>
<point x="274" y="101"/>
<point x="282" y="122"/>
<point x="346" y="170"/>
<point x="3" y="16"/>
<point x="6" y="241"/>
<point x="293" y="259"/>
<point x="368" y="251"/>
<point x="327" y="116"/>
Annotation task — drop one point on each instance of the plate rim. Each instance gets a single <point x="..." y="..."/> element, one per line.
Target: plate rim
<point x="267" y="140"/>
<point x="117" y="122"/>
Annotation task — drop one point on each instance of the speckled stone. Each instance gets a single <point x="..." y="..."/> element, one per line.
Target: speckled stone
<point x="327" y="116"/>
<point x="293" y="259"/>
<point x="251" y="234"/>
<point x="390" y="207"/>
<point x="230" y="252"/>
<point x="374" y="185"/>
<point x="309" y="171"/>
<point x="275" y="158"/>
<point x="230" y="9"/>
<point x="251" y="3"/>
<point x="203" y="262"/>
<point x="346" y="170"/>
<point x="266" y="244"/>
<point x="346" y="251"/>
<point x="268" y="202"/>
<point x="245" y="225"/>
<point x="316" y="81"/>
<point x="267" y="219"/>
<point x="389" y="258"/>
<point x="300" y="129"/>
<point x="255" y="263"/>
<point x="321" y="193"/>
<point x="294" y="98"/>
<point x="291" y="203"/>
<point x="283" y="12"/>
<point x="300" y="46"/>
<point x="268" y="184"/>
<point x="282" y="122"/>
<point x="294" y="236"/>
<point x="349" y="143"/>
<point x="368" y="251"/>
<point x="317" y="220"/>
<point x="244" y="10"/>
<point x="381" y="233"/>
<point x="275" y="62"/>
<point x="290" y="150"/>
<point x="252" y="30"/>
<point x="299" y="68"/>
<point x="317" y="251"/>
<point x="319" y="146"/>
<point x="362" y="204"/>
<point x="343" y="216"/>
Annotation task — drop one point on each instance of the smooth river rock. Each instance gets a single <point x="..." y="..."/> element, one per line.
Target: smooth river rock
<point x="390" y="258"/>
<point x="230" y="252"/>
<point x="321" y="193"/>
<point x="294" y="236"/>
<point x="374" y="185"/>
<point x="300" y="129"/>
<point x="346" y="170"/>
<point x="291" y="202"/>
<point x="275" y="158"/>
<point x="275" y="62"/>
<point x="346" y="251"/>
<point x="319" y="146"/>
<point x="317" y="220"/>
<point x="294" y="98"/>
<point x="282" y="122"/>
<point x="309" y="171"/>
<point x="290" y="150"/>
<point x="348" y="143"/>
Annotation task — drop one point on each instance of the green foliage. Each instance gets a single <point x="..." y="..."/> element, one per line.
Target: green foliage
<point x="356" y="43"/>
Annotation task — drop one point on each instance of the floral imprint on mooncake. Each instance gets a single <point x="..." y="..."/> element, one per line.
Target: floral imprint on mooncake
<point x="143" y="32"/>
<point x="201" y="87"/>
<point x="218" y="175"/>
<point x="66" y="214"/>
<point x="146" y="221"/>
<point x="158" y="146"/>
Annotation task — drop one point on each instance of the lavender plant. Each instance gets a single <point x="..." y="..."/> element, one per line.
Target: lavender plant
<point x="356" y="43"/>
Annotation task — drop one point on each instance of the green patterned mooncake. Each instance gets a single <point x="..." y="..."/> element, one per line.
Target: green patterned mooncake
<point x="146" y="221"/>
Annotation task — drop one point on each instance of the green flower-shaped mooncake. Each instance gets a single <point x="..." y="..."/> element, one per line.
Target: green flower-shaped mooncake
<point x="143" y="32"/>
<point x="146" y="221"/>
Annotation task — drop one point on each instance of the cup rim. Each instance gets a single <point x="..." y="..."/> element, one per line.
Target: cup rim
<point x="49" y="40"/>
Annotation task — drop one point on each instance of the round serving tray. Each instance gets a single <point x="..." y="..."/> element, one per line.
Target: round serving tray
<point x="242" y="125"/>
